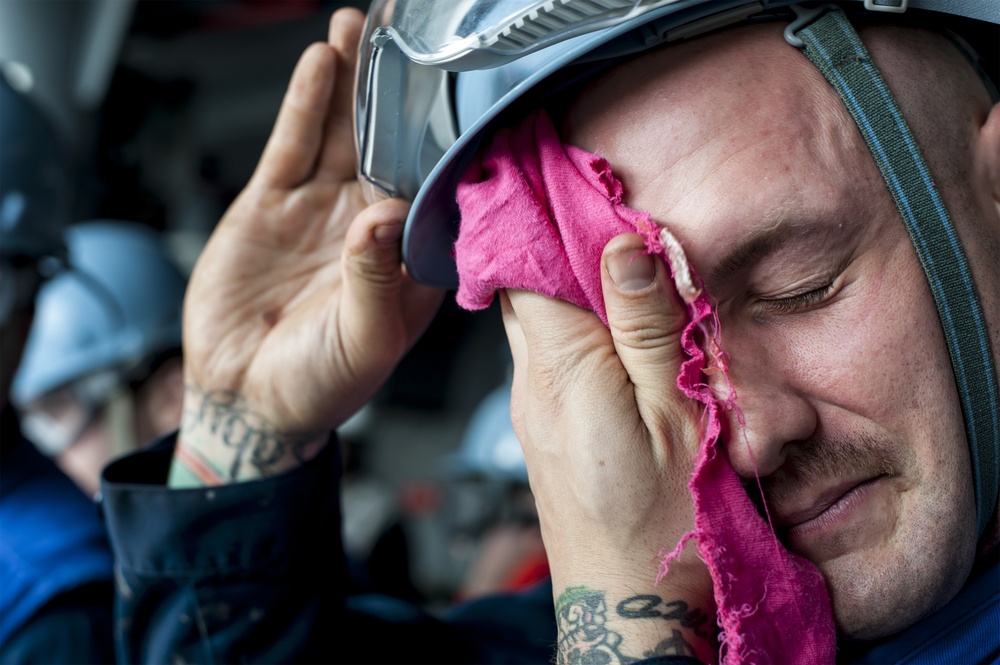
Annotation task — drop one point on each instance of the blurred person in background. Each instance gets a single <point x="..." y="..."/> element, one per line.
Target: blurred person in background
<point x="102" y="371"/>
<point x="497" y="516"/>
<point x="56" y="588"/>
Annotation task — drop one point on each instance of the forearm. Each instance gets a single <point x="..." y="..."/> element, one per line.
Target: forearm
<point x="224" y="440"/>
<point x="625" y="626"/>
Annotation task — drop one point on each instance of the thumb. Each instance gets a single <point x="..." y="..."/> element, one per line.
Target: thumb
<point x="646" y="317"/>
<point x="383" y="308"/>
<point x="372" y="274"/>
<point x="372" y="258"/>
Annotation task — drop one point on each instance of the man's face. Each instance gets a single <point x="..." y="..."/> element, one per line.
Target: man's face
<point x="852" y="419"/>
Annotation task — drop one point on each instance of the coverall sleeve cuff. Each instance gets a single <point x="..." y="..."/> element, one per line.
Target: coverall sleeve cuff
<point x="273" y="524"/>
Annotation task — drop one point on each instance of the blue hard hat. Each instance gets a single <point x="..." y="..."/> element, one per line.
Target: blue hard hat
<point x="117" y="306"/>
<point x="436" y="78"/>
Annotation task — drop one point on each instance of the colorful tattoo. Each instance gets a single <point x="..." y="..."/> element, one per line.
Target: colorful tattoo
<point x="585" y="638"/>
<point x="197" y="465"/>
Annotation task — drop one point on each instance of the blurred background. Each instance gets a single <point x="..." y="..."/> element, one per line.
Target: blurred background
<point x="164" y="106"/>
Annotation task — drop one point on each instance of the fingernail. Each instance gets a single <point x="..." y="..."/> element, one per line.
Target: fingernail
<point x="631" y="270"/>
<point x="387" y="234"/>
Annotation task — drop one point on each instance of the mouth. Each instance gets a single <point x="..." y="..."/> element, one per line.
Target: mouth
<point x="831" y="507"/>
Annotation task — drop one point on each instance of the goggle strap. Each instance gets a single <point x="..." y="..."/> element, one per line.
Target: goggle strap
<point x="831" y="43"/>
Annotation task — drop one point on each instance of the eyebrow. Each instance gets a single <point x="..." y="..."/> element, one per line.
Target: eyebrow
<point x="760" y="244"/>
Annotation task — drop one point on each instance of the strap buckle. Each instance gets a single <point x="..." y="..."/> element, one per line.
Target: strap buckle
<point x="804" y="16"/>
<point x="891" y="6"/>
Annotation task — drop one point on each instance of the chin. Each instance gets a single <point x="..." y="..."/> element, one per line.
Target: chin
<point x="879" y="593"/>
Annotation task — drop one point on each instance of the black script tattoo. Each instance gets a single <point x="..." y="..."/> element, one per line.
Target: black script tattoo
<point x="675" y="645"/>
<point x="648" y="606"/>
<point x="223" y="415"/>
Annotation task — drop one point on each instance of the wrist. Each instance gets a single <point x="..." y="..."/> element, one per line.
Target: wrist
<point x="631" y="622"/>
<point x="223" y="440"/>
<point x="616" y="601"/>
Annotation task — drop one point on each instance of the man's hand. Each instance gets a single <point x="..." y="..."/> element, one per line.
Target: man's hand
<point x="610" y="441"/>
<point x="299" y="307"/>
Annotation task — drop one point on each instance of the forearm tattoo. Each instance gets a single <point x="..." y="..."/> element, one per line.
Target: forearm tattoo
<point x="584" y="636"/>
<point x="650" y="607"/>
<point x="222" y="441"/>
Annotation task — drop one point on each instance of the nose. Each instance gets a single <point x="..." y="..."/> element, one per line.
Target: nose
<point x="772" y="415"/>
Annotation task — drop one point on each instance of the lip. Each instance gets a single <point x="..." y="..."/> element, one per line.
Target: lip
<point x="832" y="505"/>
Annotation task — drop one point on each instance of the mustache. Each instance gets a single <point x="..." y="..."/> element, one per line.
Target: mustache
<point x="821" y="460"/>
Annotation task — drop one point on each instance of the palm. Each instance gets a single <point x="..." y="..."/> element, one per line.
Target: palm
<point x="266" y="315"/>
<point x="259" y="304"/>
<point x="638" y="446"/>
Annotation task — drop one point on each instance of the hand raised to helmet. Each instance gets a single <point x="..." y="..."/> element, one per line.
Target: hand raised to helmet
<point x="299" y="307"/>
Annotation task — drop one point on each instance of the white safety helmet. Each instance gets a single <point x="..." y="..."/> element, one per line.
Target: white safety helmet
<point x="490" y="448"/>
<point x="435" y="79"/>
<point x="115" y="309"/>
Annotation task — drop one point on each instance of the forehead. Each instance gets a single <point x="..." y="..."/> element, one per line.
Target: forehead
<point x="741" y="83"/>
<point x="724" y="134"/>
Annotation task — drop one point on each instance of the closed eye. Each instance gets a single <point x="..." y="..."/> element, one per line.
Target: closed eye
<point x="794" y="302"/>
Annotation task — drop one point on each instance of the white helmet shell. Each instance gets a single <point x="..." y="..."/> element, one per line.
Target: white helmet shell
<point x="118" y="305"/>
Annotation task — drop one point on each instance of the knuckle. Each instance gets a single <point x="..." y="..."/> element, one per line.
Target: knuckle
<point x="375" y="265"/>
<point x="645" y="330"/>
<point x="646" y="319"/>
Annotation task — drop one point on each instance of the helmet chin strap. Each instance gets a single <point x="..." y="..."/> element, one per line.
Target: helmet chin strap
<point x="829" y="41"/>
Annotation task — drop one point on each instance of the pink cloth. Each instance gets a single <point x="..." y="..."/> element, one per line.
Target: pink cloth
<point x="536" y="215"/>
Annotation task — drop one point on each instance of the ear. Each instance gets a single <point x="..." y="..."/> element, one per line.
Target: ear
<point x="988" y="149"/>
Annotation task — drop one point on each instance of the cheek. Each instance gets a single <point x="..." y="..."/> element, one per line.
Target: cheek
<point x="876" y="351"/>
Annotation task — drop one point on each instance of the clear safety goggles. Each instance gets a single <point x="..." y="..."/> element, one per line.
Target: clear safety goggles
<point x="404" y="120"/>
<point x="54" y="421"/>
<point x="462" y="35"/>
